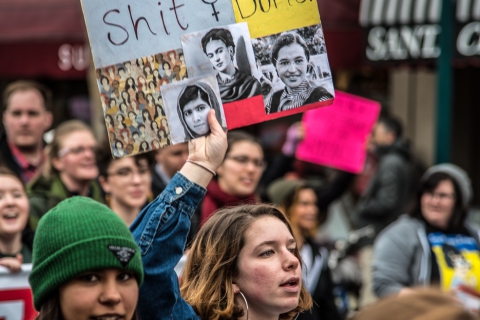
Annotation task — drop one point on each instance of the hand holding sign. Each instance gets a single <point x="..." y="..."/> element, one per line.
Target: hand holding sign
<point x="14" y="265"/>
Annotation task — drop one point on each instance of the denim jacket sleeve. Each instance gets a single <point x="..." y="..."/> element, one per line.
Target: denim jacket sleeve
<point x="161" y="230"/>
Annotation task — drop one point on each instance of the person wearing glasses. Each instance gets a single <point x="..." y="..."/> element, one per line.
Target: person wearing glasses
<point x="70" y="170"/>
<point x="237" y="176"/>
<point x="434" y="244"/>
<point x="291" y="59"/>
<point x="126" y="182"/>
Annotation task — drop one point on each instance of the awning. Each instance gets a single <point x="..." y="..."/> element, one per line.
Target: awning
<point x="343" y="34"/>
<point x="42" y="39"/>
<point x="33" y="20"/>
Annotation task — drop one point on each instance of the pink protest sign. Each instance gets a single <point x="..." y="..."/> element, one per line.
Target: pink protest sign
<point x="336" y="135"/>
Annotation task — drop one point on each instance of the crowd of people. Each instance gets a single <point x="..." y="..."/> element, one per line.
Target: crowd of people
<point x="106" y="235"/>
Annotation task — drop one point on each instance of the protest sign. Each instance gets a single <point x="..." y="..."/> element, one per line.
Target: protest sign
<point x="337" y="135"/>
<point x="16" y="302"/>
<point x="123" y="30"/>
<point x="268" y="58"/>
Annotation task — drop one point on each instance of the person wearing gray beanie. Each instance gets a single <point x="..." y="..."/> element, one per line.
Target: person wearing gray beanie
<point x="458" y="174"/>
<point x="433" y="245"/>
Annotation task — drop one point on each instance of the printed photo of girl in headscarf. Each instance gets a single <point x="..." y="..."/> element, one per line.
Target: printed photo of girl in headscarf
<point x="187" y="104"/>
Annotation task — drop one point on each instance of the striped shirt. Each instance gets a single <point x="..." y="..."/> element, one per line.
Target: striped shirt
<point x="295" y="97"/>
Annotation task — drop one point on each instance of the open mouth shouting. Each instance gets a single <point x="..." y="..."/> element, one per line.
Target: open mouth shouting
<point x="291" y="285"/>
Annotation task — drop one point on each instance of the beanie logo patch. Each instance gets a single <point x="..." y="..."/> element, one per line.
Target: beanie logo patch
<point x="123" y="254"/>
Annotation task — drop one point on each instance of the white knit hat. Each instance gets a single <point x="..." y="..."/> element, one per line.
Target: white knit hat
<point x="458" y="174"/>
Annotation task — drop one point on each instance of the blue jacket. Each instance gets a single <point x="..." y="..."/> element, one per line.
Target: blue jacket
<point x="160" y="231"/>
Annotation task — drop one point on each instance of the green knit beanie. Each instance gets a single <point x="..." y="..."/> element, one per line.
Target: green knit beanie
<point x="76" y="236"/>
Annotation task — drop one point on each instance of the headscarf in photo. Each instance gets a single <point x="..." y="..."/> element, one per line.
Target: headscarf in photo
<point x="212" y="102"/>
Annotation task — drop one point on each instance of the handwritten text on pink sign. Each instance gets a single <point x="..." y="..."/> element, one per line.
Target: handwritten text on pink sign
<point x="336" y="135"/>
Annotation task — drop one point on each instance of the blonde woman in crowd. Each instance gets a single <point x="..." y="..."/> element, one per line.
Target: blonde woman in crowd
<point x="70" y="170"/>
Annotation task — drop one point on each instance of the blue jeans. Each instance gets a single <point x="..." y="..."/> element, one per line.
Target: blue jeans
<point x="160" y="231"/>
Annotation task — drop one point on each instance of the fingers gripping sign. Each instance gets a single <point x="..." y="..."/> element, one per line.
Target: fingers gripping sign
<point x="206" y="153"/>
<point x="209" y="150"/>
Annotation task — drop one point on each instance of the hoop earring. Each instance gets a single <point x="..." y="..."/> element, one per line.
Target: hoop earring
<point x="296" y="316"/>
<point x="244" y="299"/>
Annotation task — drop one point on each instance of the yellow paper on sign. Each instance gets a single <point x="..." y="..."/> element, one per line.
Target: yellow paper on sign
<point x="266" y="17"/>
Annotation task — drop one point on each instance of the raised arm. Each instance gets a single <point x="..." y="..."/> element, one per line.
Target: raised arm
<point x="161" y="229"/>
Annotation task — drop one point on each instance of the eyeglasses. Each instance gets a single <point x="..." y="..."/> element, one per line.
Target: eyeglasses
<point x="243" y="160"/>
<point x="441" y="196"/>
<point x="127" y="173"/>
<point x="76" y="150"/>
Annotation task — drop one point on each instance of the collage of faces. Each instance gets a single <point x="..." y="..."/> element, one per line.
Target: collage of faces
<point x="132" y="102"/>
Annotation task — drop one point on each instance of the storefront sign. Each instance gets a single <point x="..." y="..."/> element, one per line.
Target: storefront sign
<point x="76" y="57"/>
<point x="468" y="42"/>
<point x="402" y="43"/>
<point x="402" y="30"/>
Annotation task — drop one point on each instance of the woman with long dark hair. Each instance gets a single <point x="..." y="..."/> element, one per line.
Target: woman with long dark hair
<point x="131" y="88"/>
